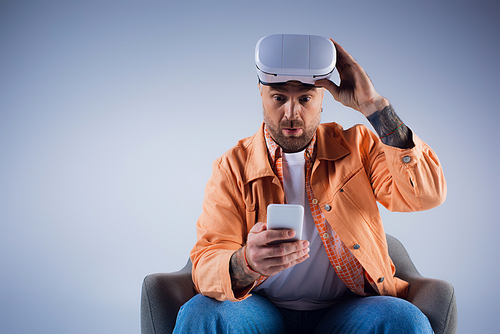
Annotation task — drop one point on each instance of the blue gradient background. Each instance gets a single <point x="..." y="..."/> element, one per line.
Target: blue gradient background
<point x="111" y="113"/>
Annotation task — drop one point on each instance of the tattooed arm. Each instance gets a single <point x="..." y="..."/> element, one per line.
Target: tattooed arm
<point x="390" y="128"/>
<point x="241" y="277"/>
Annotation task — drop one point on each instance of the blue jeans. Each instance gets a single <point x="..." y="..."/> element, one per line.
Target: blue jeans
<point x="375" y="314"/>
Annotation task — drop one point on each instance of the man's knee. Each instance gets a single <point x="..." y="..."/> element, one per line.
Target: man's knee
<point x="400" y="316"/>
<point x="377" y="314"/>
<point x="196" y="305"/>
<point x="206" y="315"/>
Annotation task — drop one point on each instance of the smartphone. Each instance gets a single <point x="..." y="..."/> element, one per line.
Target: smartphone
<point x="286" y="216"/>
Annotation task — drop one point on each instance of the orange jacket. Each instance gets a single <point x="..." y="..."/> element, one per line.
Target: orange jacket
<point x="352" y="171"/>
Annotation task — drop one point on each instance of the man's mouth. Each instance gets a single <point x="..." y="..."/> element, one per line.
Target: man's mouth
<point x="292" y="131"/>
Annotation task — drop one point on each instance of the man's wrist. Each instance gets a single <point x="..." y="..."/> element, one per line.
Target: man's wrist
<point x="374" y="105"/>
<point x="249" y="268"/>
<point x="390" y="128"/>
<point x="241" y="275"/>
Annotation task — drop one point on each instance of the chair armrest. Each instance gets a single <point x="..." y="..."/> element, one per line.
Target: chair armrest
<point x="436" y="299"/>
<point x="162" y="296"/>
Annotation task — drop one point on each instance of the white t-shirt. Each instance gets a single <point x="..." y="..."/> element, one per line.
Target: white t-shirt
<point x="312" y="284"/>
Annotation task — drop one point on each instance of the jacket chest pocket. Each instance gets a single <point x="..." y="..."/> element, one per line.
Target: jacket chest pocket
<point x="355" y="200"/>
<point x="254" y="215"/>
<point x="258" y="195"/>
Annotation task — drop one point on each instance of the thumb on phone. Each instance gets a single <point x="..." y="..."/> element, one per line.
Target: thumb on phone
<point x="259" y="227"/>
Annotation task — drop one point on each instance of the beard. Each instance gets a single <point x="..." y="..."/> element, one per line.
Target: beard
<point x="292" y="143"/>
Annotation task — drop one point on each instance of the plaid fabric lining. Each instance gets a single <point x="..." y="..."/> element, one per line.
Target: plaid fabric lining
<point x="347" y="267"/>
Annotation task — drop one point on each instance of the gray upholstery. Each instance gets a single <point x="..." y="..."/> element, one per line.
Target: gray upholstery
<point x="163" y="295"/>
<point x="434" y="297"/>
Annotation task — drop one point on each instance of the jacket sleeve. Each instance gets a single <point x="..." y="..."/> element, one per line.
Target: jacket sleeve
<point x="406" y="180"/>
<point x="220" y="232"/>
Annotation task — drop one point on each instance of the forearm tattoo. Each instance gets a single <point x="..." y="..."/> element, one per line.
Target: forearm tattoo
<point x="240" y="280"/>
<point x="390" y="128"/>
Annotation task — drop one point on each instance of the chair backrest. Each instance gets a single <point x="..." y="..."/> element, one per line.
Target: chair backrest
<point x="405" y="269"/>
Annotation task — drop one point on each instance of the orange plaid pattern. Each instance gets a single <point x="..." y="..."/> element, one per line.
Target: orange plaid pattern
<point x="347" y="267"/>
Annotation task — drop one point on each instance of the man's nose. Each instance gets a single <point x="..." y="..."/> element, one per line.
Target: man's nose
<point x="291" y="111"/>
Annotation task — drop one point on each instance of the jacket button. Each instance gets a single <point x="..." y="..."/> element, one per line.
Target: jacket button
<point x="406" y="159"/>
<point x="357" y="246"/>
<point x="327" y="207"/>
<point x="381" y="279"/>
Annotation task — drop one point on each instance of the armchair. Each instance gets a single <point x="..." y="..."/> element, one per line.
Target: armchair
<point x="164" y="293"/>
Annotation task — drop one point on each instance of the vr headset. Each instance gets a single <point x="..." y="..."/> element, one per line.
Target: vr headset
<point x="284" y="57"/>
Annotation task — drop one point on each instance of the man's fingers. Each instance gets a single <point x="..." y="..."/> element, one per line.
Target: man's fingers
<point x="278" y="235"/>
<point x="261" y="236"/>
<point x="343" y="57"/>
<point x="278" y="255"/>
<point x="325" y="83"/>
<point x="288" y="252"/>
<point x="274" y="268"/>
<point x="328" y="85"/>
<point x="288" y="248"/>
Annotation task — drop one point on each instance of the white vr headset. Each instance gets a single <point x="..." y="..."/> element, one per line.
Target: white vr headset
<point x="284" y="57"/>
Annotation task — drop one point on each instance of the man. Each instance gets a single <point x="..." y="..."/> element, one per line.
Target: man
<point x="339" y="279"/>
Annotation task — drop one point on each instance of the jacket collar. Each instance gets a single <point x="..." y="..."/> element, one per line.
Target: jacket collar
<point x="258" y="165"/>
<point x="328" y="147"/>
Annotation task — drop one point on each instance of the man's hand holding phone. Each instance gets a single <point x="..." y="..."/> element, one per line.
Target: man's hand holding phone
<point x="273" y="247"/>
